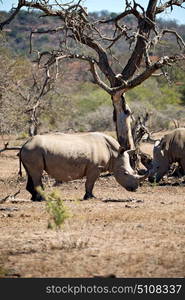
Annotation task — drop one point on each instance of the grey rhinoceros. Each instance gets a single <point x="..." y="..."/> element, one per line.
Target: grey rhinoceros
<point x="168" y="150"/>
<point x="67" y="157"/>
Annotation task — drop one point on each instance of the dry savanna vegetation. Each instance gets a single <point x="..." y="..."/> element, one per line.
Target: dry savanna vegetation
<point x="139" y="234"/>
<point x="66" y="69"/>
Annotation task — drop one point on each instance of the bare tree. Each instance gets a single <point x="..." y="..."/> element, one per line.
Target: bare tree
<point x="86" y="39"/>
<point x="33" y="98"/>
<point x="23" y="95"/>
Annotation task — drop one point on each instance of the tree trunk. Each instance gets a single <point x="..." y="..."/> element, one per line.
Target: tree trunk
<point x="123" y="119"/>
<point x="125" y="128"/>
<point x="32" y="129"/>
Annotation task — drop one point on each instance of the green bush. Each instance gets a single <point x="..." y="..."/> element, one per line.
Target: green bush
<point x="58" y="212"/>
<point x="90" y="97"/>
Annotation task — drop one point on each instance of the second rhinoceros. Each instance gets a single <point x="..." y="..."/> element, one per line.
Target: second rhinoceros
<point x="170" y="149"/>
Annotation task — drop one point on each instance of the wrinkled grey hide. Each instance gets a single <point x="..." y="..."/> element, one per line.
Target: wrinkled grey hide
<point x="68" y="157"/>
<point x="170" y="149"/>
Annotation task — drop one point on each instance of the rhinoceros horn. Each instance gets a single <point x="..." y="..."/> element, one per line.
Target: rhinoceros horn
<point x="137" y="176"/>
<point x="142" y="177"/>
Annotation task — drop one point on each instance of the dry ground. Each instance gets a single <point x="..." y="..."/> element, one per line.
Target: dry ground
<point x="139" y="234"/>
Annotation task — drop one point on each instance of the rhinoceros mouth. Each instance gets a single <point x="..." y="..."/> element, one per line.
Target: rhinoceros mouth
<point x="131" y="189"/>
<point x="153" y="179"/>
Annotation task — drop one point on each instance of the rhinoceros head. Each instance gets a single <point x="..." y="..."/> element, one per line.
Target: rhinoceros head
<point x="124" y="173"/>
<point x="160" y="163"/>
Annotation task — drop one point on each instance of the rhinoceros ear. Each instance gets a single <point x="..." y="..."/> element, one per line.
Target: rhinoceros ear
<point x="157" y="142"/>
<point x="132" y="152"/>
<point x="165" y="145"/>
<point x="162" y="153"/>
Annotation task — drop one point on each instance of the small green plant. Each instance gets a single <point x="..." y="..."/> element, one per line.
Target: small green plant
<point x="55" y="207"/>
<point x="154" y="183"/>
<point x="3" y="270"/>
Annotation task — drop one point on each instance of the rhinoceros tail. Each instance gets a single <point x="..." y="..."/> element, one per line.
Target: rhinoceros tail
<point x="20" y="164"/>
<point x="20" y="161"/>
<point x="44" y="162"/>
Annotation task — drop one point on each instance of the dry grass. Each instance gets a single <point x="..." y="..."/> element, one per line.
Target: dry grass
<point x="127" y="234"/>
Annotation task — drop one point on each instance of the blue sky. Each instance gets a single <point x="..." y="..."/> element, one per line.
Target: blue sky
<point x="113" y="6"/>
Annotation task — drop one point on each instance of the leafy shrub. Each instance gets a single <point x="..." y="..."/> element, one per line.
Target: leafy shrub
<point x="55" y="207"/>
<point x="159" y="119"/>
<point x="90" y="97"/>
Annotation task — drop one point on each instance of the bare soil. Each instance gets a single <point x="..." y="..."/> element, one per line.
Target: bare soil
<point x="126" y="234"/>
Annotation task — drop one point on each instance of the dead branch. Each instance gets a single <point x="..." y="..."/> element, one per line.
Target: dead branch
<point x="9" y="197"/>
<point x="179" y="39"/>
<point x="6" y="148"/>
<point x="15" y="11"/>
<point x="49" y="31"/>
<point x="169" y="4"/>
<point x="123" y="85"/>
<point x="37" y="92"/>
<point x="165" y="60"/>
<point x="176" y="123"/>
<point x="131" y="11"/>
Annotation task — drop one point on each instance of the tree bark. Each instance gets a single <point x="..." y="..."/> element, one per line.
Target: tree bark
<point x="123" y="120"/>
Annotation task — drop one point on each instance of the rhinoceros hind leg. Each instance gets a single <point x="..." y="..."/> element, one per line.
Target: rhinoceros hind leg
<point x="37" y="197"/>
<point x="31" y="188"/>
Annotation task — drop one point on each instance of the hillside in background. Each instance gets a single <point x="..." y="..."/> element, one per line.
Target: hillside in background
<point x="75" y="101"/>
<point x="18" y="32"/>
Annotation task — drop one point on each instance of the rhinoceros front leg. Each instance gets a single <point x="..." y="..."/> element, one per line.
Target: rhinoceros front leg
<point x="182" y="165"/>
<point x="91" y="177"/>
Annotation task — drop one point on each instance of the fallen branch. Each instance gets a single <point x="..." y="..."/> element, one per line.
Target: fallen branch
<point x="9" y="148"/>
<point x="9" y="197"/>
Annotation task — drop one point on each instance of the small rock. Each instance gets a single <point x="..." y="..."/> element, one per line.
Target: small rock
<point x="128" y="206"/>
<point x="140" y="226"/>
<point x="10" y="215"/>
<point x="140" y="201"/>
